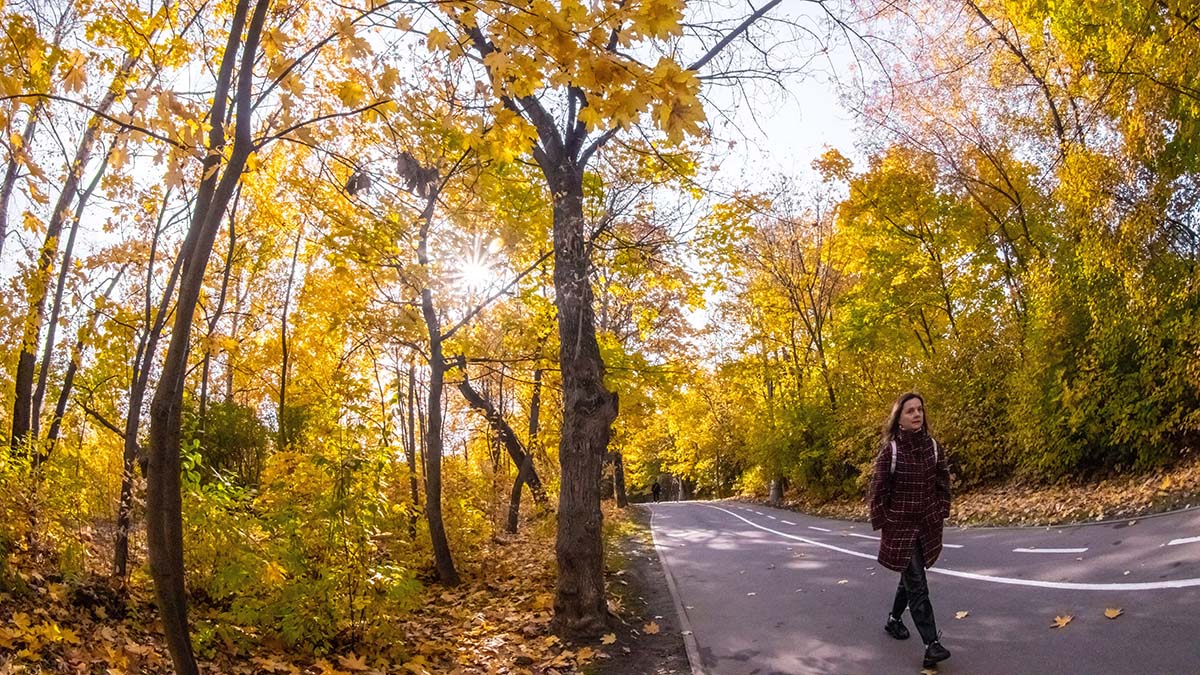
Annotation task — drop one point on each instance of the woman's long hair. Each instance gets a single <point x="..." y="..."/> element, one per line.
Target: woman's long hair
<point x="892" y="428"/>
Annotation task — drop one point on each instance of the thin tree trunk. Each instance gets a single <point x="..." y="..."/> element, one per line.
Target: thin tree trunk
<point x="220" y="310"/>
<point x="619" y="479"/>
<point x="56" y="309"/>
<point x="433" y="414"/>
<point x="60" y="407"/>
<point x="410" y="452"/>
<point x="524" y="468"/>
<point x="285" y="439"/>
<point x="13" y="168"/>
<point x="143" y="360"/>
<point x="22" y="421"/>
<point x="508" y="437"/>
<point x="164" y="499"/>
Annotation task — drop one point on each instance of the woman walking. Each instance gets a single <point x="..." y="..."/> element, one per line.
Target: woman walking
<point x="910" y="497"/>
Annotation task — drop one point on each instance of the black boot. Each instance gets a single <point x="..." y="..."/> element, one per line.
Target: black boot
<point x="896" y="628"/>
<point x="935" y="652"/>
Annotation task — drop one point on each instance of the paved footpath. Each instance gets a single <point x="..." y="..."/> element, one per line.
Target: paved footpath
<point x="767" y="592"/>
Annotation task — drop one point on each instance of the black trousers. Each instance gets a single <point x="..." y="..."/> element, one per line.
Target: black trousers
<point x="913" y="592"/>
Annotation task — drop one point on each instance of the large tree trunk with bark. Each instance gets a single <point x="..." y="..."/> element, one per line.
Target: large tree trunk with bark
<point x="164" y="501"/>
<point x="589" y="409"/>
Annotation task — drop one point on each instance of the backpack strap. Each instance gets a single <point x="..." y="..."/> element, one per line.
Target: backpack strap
<point x="893" y="457"/>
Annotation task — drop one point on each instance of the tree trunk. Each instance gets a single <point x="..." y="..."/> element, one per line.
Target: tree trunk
<point x="164" y="500"/>
<point x="39" y="393"/>
<point x="64" y="395"/>
<point x="433" y="427"/>
<point x="410" y="451"/>
<point x="285" y="439"/>
<point x="580" y="607"/>
<point x="619" y="479"/>
<point x="22" y="421"/>
<point x="216" y="316"/>
<point x="508" y="437"/>
<point x="13" y="168"/>
<point x="143" y="360"/>
<point x="776" y="491"/>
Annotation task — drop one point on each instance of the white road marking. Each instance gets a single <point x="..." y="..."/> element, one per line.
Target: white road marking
<point x="758" y="512"/>
<point x="1065" y="585"/>
<point x="819" y="529"/>
<point x="787" y="521"/>
<point x="1185" y="540"/>
<point x="1049" y="550"/>
<point x="945" y="545"/>
<point x="772" y="517"/>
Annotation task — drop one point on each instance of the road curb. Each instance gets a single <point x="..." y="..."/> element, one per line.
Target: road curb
<point x="685" y="626"/>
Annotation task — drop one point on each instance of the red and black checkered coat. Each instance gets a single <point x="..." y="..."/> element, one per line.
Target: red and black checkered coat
<point x="911" y="502"/>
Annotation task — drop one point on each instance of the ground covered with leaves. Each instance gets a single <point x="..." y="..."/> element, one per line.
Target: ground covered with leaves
<point x="496" y="621"/>
<point x="1018" y="503"/>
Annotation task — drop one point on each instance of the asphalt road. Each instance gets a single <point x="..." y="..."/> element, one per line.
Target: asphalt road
<point x="765" y="591"/>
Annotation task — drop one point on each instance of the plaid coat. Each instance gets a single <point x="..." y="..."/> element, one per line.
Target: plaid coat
<point x="911" y="502"/>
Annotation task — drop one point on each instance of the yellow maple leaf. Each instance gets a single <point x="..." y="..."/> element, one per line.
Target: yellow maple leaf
<point x="351" y="93"/>
<point x="437" y="39"/>
<point x="608" y="639"/>
<point x="962" y="614"/>
<point x="1060" y="621"/>
<point x="650" y="628"/>
<point x="353" y="662"/>
<point x="1113" y="612"/>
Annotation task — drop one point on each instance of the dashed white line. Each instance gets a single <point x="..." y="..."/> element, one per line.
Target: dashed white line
<point x="772" y="517"/>
<point x="1049" y="550"/>
<point x="787" y="522"/>
<point x="1185" y="540"/>
<point x="1065" y="585"/>
<point x="819" y="529"/>
<point x="861" y="536"/>
<point x="758" y="513"/>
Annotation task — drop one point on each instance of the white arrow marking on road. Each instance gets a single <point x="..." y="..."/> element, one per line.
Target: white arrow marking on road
<point x="1065" y="585"/>
<point x="1049" y="550"/>
<point x="1186" y="540"/>
<point x="818" y="529"/>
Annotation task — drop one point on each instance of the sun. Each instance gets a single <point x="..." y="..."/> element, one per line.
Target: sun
<point x="474" y="271"/>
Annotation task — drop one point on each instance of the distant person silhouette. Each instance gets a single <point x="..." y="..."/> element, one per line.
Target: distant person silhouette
<point x="656" y="491"/>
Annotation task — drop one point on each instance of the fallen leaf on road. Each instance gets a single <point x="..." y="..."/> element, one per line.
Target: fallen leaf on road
<point x="962" y="615"/>
<point x="1060" y="621"/>
<point x="608" y="639"/>
<point x="650" y="628"/>
<point x="1113" y="612"/>
<point x="844" y="581"/>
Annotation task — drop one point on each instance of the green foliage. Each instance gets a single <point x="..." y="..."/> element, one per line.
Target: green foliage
<point x="316" y="555"/>
<point x="230" y="439"/>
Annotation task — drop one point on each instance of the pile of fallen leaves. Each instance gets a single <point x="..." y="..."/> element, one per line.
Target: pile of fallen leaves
<point x="496" y="621"/>
<point x="1029" y="504"/>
